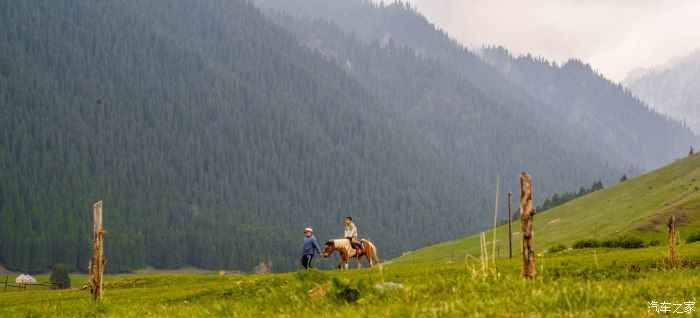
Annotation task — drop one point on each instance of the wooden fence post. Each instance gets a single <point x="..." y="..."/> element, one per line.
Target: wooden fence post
<point x="510" y="230"/>
<point x="98" y="262"/>
<point x="7" y="277"/>
<point x="672" y="253"/>
<point x="526" y="234"/>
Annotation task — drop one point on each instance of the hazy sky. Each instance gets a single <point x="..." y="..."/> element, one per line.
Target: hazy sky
<point x="615" y="36"/>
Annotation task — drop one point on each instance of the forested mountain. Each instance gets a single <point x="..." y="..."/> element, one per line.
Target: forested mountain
<point x="593" y="112"/>
<point x="672" y="89"/>
<point x="211" y="135"/>
<point x="461" y="121"/>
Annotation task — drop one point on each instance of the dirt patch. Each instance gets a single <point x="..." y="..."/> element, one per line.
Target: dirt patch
<point x="320" y="290"/>
<point x="659" y="219"/>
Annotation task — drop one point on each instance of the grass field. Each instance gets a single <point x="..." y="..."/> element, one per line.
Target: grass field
<point x="639" y="206"/>
<point x="590" y="282"/>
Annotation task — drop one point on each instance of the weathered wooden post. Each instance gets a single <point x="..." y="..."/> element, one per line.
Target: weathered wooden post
<point x="495" y="223"/>
<point x="510" y="230"/>
<point x="672" y="253"/>
<point x="97" y="265"/>
<point x="526" y="234"/>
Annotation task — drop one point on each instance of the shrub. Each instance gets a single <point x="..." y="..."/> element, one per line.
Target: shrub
<point x="625" y="241"/>
<point x="344" y="292"/>
<point x="694" y="237"/>
<point x="610" y="243"/>
<point x="628" y="241"/>
<point x="59" y="275"/>
<point x="556" y="248"/>
<point x="654" y="242"/>
<point x="587" y="243"/>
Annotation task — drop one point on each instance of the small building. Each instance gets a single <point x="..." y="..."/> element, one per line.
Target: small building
<point x="25" y="279"/>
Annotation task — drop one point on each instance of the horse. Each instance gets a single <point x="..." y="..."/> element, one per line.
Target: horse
<point x="346" y="252"/>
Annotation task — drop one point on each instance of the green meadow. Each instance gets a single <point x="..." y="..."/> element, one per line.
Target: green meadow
<point x="578" y="283"/>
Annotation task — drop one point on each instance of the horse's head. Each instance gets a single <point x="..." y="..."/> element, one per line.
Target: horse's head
<point x="330" y="247"/>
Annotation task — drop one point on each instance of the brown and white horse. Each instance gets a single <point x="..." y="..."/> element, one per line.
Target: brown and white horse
<point x="346" y="252"/>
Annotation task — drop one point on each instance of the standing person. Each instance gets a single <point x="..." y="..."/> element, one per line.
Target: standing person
<point x="351" y="233"/>
<point x="310" y="245"/>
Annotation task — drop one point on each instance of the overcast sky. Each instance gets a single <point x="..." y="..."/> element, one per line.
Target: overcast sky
<point x="615" y="36"/>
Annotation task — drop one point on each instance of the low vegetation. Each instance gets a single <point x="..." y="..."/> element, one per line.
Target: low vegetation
<point x="624" y="241"/>
<point x="590" y="282"/>
<point x="556" y="248"/>
<point x="694" y="237"/>
<point x="586" y="243"/>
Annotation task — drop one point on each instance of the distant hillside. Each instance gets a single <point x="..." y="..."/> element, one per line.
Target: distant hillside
<point x="483" y="137"/>
<point x="589" y="111"/>
<point x="672" y="89"/>
<point x="603" y="111"/>
<point x="639" y="206"/>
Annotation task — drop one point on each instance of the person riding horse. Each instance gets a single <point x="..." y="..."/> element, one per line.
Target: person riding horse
<point x="351" y="234"/>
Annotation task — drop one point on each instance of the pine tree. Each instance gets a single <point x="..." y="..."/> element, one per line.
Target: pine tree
<point x="60" y="276"/>
<point x="691" y="151"/>
<point x="624" y="178"/>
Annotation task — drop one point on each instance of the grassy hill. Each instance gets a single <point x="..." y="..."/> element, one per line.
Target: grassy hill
<point x="639" y="207"/>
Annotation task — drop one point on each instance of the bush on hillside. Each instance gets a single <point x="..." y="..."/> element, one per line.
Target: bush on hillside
<point x="556" y="248"/>
<point x="624" y="241"/>
<point x="694" y="237"/>
<point x="654" y="242"/>
<point x="628" y="241"/>
<point x="587" y="243"/>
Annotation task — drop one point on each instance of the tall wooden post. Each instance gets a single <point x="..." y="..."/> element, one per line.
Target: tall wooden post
<point x="97" y="265"/>
<point x="495" y="223"/>
<point x="672" y="253"/>
<point x="510" y="230"/>
<point x="527" y="236"/>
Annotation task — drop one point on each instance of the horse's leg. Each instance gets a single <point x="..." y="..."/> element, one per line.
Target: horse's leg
<point x="359" y="261"/>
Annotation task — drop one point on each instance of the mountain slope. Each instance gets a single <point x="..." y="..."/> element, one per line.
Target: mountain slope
<point x="212" y="136"/>
<point x="593" y="102"/>
<point x="673" y="89"/>
<point x="639" y="206"/>
<point x="596" y="107"/>
<point x="484" y="138"/>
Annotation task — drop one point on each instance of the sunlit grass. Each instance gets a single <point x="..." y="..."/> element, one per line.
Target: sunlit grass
<point x="590" y="282"/>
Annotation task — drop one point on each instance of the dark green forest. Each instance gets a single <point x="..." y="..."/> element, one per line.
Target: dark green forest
<point x="211" y="135"/>
<point x="215" y="134"/>
<point x="559" y="199"/>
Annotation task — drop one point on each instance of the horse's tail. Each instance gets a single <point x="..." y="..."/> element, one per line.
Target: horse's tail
<point x="371" y="252"/>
